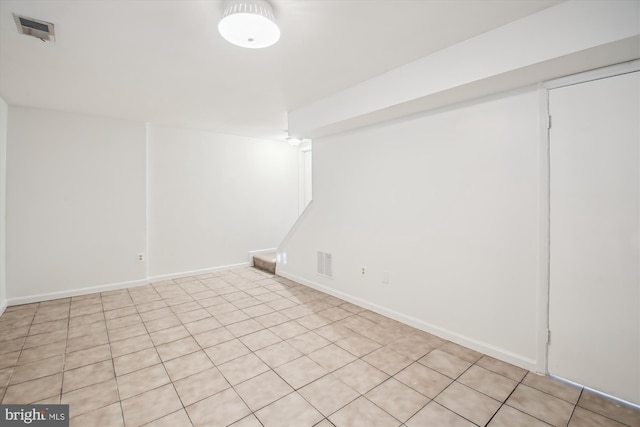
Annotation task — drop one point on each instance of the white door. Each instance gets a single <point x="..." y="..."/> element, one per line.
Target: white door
<point x="594" y="299"/>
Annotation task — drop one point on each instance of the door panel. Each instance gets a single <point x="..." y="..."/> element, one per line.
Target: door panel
<point x="594" y="299"/>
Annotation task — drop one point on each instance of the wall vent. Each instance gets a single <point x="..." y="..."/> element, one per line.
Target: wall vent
<point x="325" y="266"/>
<point x="35" y="28"/>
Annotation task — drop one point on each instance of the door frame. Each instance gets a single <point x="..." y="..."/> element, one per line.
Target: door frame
<point x="544" y="236"/>
<point x="304" y="148"/>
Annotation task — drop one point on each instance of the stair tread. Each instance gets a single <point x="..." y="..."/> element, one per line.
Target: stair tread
<point x="270" y="257"/>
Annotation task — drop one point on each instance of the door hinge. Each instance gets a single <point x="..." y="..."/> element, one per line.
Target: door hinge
<point x="549" y="121"/>
<point x="548" y="336"/>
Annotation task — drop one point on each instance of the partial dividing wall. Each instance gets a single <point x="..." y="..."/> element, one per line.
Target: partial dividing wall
<point x="75" y="203"/>
<point x="447" y="204"/>
<point x="3" y="203"/>
<point x="214" y="197"/>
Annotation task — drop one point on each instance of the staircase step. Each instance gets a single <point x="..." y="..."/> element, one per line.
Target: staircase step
<point x="266" y="262"/>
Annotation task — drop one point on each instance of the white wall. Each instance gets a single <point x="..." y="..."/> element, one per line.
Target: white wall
<point x="3" y="199"/>
<point x="447" y="203"/>
<point x="75" y="203"/>
<point x="213" y="198"/>
<point x="86" y="194"/>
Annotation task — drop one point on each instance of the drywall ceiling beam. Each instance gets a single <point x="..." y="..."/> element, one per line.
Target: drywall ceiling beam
<point x="568" y="38"/>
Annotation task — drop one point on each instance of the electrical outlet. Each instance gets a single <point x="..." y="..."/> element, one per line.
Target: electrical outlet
<point x="363" y="270"/>
<point x="141" y="256"/>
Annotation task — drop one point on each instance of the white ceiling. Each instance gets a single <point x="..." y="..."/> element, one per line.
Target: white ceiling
<point x="163" y="61"/>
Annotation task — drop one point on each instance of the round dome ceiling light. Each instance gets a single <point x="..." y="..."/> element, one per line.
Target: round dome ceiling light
<point x="249" y="23"/>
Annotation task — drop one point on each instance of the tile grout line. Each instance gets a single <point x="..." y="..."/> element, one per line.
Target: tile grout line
<point x="113" y="363"/>
<point x="13" y="370"/>
<point x="161" y="362"/>
<point x="64" y="355"/>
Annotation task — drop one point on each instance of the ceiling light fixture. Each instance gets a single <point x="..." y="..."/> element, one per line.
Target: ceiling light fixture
<point x="249" y="23"/>
<point x="292" y="140"/>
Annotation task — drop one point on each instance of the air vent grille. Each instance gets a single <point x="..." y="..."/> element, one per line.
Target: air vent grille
<point x="35" y="28"/>
<point x="325" y="264"/>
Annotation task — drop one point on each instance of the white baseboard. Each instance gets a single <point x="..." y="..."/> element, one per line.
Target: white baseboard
<point x="110" y="287"/>
<point x="301" y="219"/>
<point x="260" y="252"/>
<point x="196" y="272"/>
<point x="3" y="307"/>
<point x="486" y="348"/>
<point x="76" y="292"/>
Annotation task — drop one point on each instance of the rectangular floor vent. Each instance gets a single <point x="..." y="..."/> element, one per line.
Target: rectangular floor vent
<point x="325" y="267"/>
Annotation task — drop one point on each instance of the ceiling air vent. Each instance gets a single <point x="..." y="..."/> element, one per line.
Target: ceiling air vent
<point x="35" y="28"/>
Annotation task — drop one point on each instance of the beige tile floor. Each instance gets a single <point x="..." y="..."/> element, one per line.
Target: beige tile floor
<point x="246" y="348"/>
